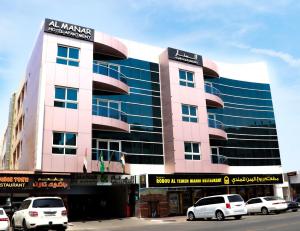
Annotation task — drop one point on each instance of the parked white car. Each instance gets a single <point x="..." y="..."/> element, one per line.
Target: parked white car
<point x="219" y="206"/>
<point x="266" y="205"/>
<point x="4" y="220"/>
<point x="41" y="212"/>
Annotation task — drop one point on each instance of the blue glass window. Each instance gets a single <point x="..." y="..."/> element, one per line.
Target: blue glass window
<point x="189" y="113"/>
<point x="67" y="55"/>
<point x="186" y="78"/>
<point x="191" y="151"/>
<point x="64" y="143"/>
<point x="66" y="97"/>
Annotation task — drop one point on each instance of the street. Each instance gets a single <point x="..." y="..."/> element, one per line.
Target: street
<point x="282" y="222"/>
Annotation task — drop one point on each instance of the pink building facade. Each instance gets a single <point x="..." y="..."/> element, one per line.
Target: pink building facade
<point x="105" y="111"/>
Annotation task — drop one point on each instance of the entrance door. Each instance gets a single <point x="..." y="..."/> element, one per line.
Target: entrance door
<point x="174" y="203"/>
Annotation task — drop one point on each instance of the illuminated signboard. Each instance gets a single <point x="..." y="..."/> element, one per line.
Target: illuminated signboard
<point x="51" y="182"/>
<point x="184" y="56"/>
<point x="190" y="180"/>
<point x="69" y="30"/>
<point x="14" y="181"/>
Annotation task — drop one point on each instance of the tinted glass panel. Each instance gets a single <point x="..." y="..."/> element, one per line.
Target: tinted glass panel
<point x="58" y="138"/>
<point x="73" y="53"/>
<point x="61" y="61"/>
<point x="62" y="51"/>
<point x="70" y="139"/>
<point x="72" y="94"/>
<point x="187" y="147"/>
<point x="58" y="150"/>
<point x="60" y="93"/>
<point x="47" y="203"/>
<point x="235" y="198"/>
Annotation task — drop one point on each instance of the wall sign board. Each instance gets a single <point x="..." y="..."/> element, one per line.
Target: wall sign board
<point x="184" y="56"/>
<point x="69" y="30"/>
<point x="196" y="180"/>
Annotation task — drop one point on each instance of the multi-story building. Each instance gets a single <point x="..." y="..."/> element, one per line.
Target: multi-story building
<point x="121" y="127"/>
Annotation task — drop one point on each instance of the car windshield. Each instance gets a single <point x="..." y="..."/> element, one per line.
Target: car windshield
<point x="1" y="212"/>
<point x="272" y="198"/>
<point x="235" y="198"/>
<point x="48" y="202"/>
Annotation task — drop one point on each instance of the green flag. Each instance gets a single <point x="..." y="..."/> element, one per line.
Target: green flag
<point x="102" y="167"/>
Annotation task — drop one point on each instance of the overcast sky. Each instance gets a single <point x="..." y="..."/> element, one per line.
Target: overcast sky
<point x="236" y="31"/>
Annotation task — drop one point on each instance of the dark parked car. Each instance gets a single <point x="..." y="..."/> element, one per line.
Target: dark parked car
<point x="10" y="209"/>
<point x="292" y="205"/>
<point x="298" y="201"/>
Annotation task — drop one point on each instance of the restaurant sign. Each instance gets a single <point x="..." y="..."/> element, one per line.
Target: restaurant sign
<point x="14" y="181"/>
<point x="11" y="182"/>
<point x="194" y="180"/>
<point x="51" y="182"/>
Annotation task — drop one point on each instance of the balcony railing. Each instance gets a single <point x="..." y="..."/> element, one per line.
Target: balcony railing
<point x="215" y="124"/>
<point x="219" y="159"/>
<point x="107" y="155"/>
<point x="108" y="70"/>
<point x="212" y="90"/>
<point x="109" y="112"/>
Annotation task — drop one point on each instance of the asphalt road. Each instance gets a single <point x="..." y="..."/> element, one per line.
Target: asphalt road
<point x="289" y="221"/>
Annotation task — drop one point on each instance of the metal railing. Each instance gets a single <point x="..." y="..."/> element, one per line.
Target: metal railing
<point x="109" y="112"/>
<point x="212" y="90"/>
<point x="219" y="159"/>
<point x="215" y="124"/>
<point x="105" y="69"/>
<point x="107" y="155"/>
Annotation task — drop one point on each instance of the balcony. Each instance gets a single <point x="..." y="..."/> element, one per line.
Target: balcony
<point x="213" y="96"/>
<point x="107" y="118"/>
<point x="111" y="161"/>
<point x="216" y="129"/>
<point x="210" y="68"/>
<point x="109" y="78"/>
<point x="219" y="159"/>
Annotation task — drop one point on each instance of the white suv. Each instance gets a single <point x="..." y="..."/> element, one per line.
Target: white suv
<point x="41" y="212"/>
<point x="220" y="206"/>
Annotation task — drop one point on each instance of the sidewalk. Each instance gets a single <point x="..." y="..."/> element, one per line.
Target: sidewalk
<point x="122" y="222"/>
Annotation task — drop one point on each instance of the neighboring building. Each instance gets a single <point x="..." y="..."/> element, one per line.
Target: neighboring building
<point x="8" y="136"/>
<point x="99" y="118"/>
<point x="294" y="185"/>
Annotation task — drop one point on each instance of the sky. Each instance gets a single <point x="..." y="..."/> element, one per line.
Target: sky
<point x="234" y="31"/>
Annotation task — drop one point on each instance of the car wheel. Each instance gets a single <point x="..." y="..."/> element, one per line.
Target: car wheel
<point x="13" y="225"/>
<point x="294" y="210"/>
<point x="220" y="215"/>
<point x="238" y="217"/>
<point x="191" y="216"/>
<point x="24" y="226"/>
<point x="61" y="229"/>
<point x="264" y="211"/>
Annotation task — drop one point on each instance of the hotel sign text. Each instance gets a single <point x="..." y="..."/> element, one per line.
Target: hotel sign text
<point x="184" y="56"/>
<point x="69" y="30"/>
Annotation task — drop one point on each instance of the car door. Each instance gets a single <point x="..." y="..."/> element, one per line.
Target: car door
<point x="257" y="205"/>
<point x="250" y="205"/>
<point x="20" y="213"/>
<point x="199" y="208"/>
<point x="213" y="203"/>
